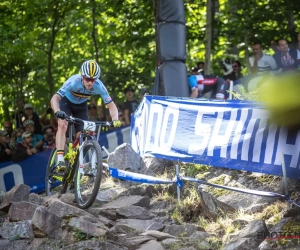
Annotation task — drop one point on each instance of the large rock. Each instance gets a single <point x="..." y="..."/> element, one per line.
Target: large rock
<point x="158" y="235"/>
<point x="151" y="245"/>
<point x="243" y="243"/>
<point x="134" y="212"/>
<point x="17" y="193"/>
<point x="247" y="202"/>
<point x="156" y="166"/>
<point x="87" y="227"/>
<point x="17" y="230"/>
<point x="21" y="211"/>
<point x="133" y="224"/>
<point x="134" y="200"/>
<point x="108" y="195"/>
<point x="279" y="227"/>
<point x="47" y="222"/>
<point x="181" y="230"/>
<point x="13" y="245"/>
<point x="93" y="244"/>
<point x="125" y="158"/>
<point x="247" y="238"/>
<point x="136" y="241"/>
<point x="64" y="210"/>
<point x="36" y="199"/>
<point x="211" y="206"/>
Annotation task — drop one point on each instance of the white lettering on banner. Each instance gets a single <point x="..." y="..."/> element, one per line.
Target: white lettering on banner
<point x="139" y="130"/>
<point x="161" y="127"/>
<point x="256" y="114"/>
<point x="158" y="110"/>
<point x="156" y="132"/>
<point x="222" y="140"/>
<point x="203" y="130"/>
<point x="17" y="172"/>
<point x="288" y="149"/>
<point x="270" y="144"/>
<point x="170" y="111"/>
<point x="237" y="134"/>
<point x="261" y="115"/>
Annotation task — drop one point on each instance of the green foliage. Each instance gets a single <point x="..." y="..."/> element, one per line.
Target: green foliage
<point x="193" y="170"/>
<point x="44" y="42"/>
<point x="81" y="236"/>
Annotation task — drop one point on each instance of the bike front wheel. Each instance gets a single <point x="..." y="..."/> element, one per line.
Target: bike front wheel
<point x="88" y="174"/>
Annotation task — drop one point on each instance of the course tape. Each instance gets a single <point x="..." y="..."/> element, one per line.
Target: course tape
<point x="130" y="176"/>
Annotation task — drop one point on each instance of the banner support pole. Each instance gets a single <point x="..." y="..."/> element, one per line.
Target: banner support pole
<point x="285" y="180"/>
<point x="178" y="188"/>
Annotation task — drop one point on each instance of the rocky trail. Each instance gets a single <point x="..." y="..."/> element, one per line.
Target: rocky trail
<point x="129" y="215"/>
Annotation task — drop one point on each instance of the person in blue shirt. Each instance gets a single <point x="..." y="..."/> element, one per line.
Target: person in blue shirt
<point x="72" y="98"/>
<point x="202" y="84"/>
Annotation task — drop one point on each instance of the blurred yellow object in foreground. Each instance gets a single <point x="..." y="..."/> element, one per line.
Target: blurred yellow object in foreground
<point x="281" y="96"/>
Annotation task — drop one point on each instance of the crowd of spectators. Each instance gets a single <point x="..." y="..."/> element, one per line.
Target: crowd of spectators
<point x="284" y="57"/>
<point x="28" y="133"/>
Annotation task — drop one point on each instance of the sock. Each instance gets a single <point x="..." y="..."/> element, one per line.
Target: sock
<point x="60" y="155"/>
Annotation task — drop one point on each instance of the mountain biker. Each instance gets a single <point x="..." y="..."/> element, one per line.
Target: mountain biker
<point x="72" y="98"/>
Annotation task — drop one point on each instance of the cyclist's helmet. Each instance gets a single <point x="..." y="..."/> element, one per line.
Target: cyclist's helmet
<point x="90" y="69"/>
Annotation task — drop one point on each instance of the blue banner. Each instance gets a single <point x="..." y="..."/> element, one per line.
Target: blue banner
<point x="231" y="134"/>
<point x="32" y="171"/>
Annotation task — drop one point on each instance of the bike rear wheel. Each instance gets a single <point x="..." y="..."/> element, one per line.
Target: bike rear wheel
<point x="50" y="181"/>
<point x="89" y="174"/>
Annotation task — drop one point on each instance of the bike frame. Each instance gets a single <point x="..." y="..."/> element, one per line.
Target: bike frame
<point x="74" y="147"/>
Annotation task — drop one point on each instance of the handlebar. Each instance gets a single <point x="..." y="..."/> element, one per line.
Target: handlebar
<point x="73" y="120"/>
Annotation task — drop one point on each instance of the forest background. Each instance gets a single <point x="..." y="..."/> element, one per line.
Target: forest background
<point x="43" y="42"/>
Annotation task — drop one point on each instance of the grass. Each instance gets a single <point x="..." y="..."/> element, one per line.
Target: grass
<point x="189" y="209"/>
<point x="193" y="170"/>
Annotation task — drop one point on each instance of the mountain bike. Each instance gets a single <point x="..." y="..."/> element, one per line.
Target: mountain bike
<point x="84" y="163"/>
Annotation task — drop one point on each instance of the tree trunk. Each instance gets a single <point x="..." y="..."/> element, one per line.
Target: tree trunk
<point x="94" y="31"/>
<point x="208" y="35"/>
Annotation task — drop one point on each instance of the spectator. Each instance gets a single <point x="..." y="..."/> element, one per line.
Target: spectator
<point x="8" y="127"/>
<point x="286" y="58"/>
<point x="260" y="62"/>
<point x="201" y="66"/>
<point x="29" y="126"/>
<point x="237" y="69"/>
<point x="5" y="149"/>
<point x="121" y="115"/>
<point x="203" y="84"/>
<point x="274" y="46"/>
<point x="194" y="71"/>
<point x="11" y="134"/>
<point x="93" y="113"/>
<point x="30" y="115"/>
<point x="24" y="149"/>
<point x="48" y="140"/>
<point x="93" y="116"/>
<point x="49" y="118"/>
<point x="130" y="105"/>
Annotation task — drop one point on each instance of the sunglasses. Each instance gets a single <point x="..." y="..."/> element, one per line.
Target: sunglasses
<point x="7" y="127"/>
<point x="235" y="66"/>
<point x="89" y="79"/>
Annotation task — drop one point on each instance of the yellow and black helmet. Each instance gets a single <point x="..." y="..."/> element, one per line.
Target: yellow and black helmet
<point x="90" y="69"/>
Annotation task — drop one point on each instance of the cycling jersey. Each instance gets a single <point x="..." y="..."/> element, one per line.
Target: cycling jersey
<point x="74" y="90"/>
